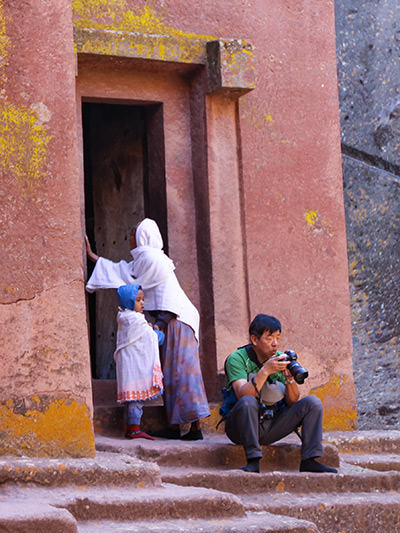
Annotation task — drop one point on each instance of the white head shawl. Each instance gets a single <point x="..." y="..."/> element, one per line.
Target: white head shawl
<point x="154" y="271"/>
<point x="148" y="234"/>
<point x="150" y="266"/>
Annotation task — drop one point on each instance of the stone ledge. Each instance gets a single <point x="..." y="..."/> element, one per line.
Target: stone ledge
<point x="333" y="513"/>
<point x="253" y="521"/>
<point x="108" y="502"/>
<point x="229" y="62"/>
<point x="239" y="482"/>
<point x="379" y="462"/>
<point x="105" y="468"/>
<point x="374" y="441"/>
<point x="40" y="518"/>
<point x="140" y="45"/>
<point x="215" y="450"/>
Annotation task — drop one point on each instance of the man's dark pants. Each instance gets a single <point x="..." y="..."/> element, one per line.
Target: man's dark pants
<point x="243" y="427"/>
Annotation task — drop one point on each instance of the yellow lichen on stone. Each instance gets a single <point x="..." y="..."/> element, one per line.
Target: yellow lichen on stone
<point x="62" y="428"/>
<point x="4" y="45"/>
<point x="4" y="40"/>
<point x="311" y="217"/>
<point x="336" y="416"/>
<point x="111" y="28"/>
<point x="23" y="139"/>
<point x="115" y="15"/>
<point x="23" y="145"/>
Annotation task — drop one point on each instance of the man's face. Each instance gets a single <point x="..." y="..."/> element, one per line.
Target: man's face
<point x="266" y="346"/>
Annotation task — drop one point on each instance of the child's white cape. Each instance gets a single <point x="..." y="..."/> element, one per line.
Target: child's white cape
<point x="139" y="375"/>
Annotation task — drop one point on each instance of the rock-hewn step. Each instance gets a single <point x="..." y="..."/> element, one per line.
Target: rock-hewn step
<point x="36" y="517"/>
<point x="381" y="462"/>
<point x="106" y="468"/>
<point x="365" y="441"/>
<point x="367" y="512"/>
<point x="165" y="502"/>
<point x="215" y="450"/>
<point x="253" y="522"/>
<point x="239" y="482"/>
<point x="128" y="503"/>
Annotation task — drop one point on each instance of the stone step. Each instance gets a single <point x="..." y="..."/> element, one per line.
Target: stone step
<point x="381" y="462"/>
<point x="350" y="479"/>
<point x="16" y="517"/>
<point x="105" y="468"/>
<point x="215" y="450"/>
<point x="259" y="522"/>
<point x="369" y="512"/>
<point x="376" y="441"/>
<point x="87" y="503"/>
<point x="108" y="417"/>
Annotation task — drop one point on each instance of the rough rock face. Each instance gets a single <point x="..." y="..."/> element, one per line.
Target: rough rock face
<point x="373" y="219"/>
<point x="368" y="45"/>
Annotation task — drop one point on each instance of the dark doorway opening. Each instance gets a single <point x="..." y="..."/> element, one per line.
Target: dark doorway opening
<point x="124" y="167"/>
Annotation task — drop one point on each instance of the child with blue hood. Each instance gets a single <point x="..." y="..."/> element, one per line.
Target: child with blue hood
<point x="137" y="358"/>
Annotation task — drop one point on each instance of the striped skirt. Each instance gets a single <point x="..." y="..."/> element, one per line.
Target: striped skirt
<point x="184" y="393"/>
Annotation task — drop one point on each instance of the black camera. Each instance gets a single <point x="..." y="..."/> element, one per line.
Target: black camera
<point x="265" y="412"/>
<point x="298" y="372"/>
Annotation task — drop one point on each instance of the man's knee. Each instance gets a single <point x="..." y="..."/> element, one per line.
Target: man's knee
<point x="246" y="403"/>
<point x="243" y="419"/>
<point x="244" y="408"/>
<point x="313" y="403"/>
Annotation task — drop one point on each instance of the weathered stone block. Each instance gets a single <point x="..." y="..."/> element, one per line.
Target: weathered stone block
<point x="230" y="66"/>
<point x="373" y="221"/>
<point x="368" y="44"/>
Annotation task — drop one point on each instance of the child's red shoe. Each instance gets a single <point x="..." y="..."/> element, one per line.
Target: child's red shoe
<point x="132" y="433"/>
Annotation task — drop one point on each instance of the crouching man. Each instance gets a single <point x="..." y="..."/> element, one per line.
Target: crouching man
<point x="258" y="374"/>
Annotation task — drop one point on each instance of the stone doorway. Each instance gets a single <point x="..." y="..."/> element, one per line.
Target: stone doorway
<point x="124" y="168"/>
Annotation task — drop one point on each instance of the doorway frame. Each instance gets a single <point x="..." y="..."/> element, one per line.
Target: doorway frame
<point x="213" y="88"/>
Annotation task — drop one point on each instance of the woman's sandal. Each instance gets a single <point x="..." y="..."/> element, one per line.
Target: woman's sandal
<point x="194" y="434"/>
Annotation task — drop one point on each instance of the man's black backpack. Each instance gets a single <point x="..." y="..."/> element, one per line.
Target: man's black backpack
<point x="229" y="400"/>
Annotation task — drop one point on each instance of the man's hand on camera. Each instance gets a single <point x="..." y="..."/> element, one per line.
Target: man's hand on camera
<point x="276" y="364"/>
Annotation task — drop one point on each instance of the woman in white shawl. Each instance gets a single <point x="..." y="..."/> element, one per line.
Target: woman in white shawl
<point x="165" y="300"/>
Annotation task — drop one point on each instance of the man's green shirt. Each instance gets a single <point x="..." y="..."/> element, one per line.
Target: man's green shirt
<point x="238" y="365"/>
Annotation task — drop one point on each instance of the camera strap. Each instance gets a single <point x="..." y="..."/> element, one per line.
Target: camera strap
<point x="251" y="354"/>
<point x="253" y="381"/>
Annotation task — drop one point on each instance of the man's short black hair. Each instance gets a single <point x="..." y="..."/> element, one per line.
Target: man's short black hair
<point x="262" y="323"/>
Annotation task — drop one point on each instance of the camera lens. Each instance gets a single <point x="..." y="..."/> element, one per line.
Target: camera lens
<point x="298" y="372"/>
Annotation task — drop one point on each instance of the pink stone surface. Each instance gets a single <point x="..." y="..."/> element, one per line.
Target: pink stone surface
<point x="45" y="349"/>
<point x="293" y="199"/>
<point x="277" y="228"/>
<point x="228" y="252"/>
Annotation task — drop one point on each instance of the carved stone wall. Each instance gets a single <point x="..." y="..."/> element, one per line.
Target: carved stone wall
<point x="368" y="50"/>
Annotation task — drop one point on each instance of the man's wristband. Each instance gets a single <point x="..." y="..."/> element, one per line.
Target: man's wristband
<point x="289" y="381"/>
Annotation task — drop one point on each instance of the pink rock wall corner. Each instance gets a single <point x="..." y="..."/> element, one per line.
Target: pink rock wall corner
<point x="45" y="392"/>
